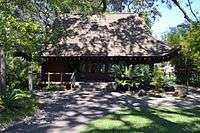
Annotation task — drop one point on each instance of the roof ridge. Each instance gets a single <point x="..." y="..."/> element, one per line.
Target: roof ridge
<point x="121" y="13"/>
<point x="128" y="13"/>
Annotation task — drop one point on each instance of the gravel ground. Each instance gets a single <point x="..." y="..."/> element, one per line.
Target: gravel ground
<point x="68" y="111"/>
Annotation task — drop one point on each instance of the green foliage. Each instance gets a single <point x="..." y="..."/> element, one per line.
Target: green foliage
<point x="162" y="77"/>
<point x="131" y="76"/>
<point x="76" y="6"/>
<point x="26" y="25"/>
<point x="140" y="77"/>
<point x="158" y="78"/>
<point x="141" y="72"/>
<point x="193" y="41"/>
<point x="122" y="71"/>
<point x="16" y="104"/>
<point x="17" y="73"/>
<point x="18" y="100"/>
<point x="147" y="8"/>
<point x="19" y="35"/>
<point x="169" y="79"/>
<point x="187" y="65"/>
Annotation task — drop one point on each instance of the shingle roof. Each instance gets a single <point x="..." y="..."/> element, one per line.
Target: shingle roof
<point x="110" y="34"/>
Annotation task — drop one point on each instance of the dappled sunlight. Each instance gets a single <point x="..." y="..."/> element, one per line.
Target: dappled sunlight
<point x="148" y="120"/>
<point x="75" y="109"/>
<point x="112" y="34"/>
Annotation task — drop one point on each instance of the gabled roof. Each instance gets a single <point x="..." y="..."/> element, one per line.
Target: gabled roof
<point x="110" y="34"/>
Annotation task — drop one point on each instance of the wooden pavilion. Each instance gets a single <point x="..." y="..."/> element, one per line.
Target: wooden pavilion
<point x="87" y="47"/>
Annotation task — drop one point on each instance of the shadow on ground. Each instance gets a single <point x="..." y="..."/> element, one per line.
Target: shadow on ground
<point x="70" y="111"/>
<point x="148" y="120"/>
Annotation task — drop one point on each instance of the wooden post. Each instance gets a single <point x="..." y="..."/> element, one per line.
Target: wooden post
<point x="106" y="67"/>
<point x="30" y="77"/>
<point x="2" y="70"/>
<point x="49" y="80"/>
<point x="61" y="77"/>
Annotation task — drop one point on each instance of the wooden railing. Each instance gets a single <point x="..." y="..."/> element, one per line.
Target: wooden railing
<point x="71" y="80"/>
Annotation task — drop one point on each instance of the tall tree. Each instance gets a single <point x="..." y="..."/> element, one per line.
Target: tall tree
<point x="182" y="10"/>
<point x="149" y="5"/>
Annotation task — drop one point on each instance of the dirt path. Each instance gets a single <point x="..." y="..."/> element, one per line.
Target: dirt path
<point x="66" y="111"/>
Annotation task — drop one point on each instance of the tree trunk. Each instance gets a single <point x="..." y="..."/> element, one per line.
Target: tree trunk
<point x="30" y="77"/>
<point x="2" y="70"/>
<point x="191" y="10"/>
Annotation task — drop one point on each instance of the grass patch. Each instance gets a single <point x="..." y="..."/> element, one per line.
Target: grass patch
<point x="148" y="120"/>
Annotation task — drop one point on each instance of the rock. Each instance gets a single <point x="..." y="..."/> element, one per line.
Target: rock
<point x="183" y="96"/>
<point x="153" y="94"/>
<point x="158" y="96"/>
<point x="121" y="88"/>
<point x="181" y="91"/>
<point x="168" y="88"/>
<point x="110" y="87"/>
<point x="152" y="87"/>
<point x="68" y="87"/>
<point x="142" y="93"/>
<point x="41" y="104"/>
<point x="175" y="94"/>
<point x="180" y="94"/>
<point x="144" y="86"/>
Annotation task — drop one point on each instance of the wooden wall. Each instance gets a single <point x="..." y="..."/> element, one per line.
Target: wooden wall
<point x="85" y="71"/>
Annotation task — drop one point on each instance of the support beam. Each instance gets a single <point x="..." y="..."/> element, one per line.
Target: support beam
<point x="49" y="80"/>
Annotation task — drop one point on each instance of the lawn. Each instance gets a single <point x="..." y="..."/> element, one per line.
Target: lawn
<point x="148" y="120"/>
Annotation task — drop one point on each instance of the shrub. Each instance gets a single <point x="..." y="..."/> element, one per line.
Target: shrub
<point x="16" y="104"/>
<point x="131" y="77"/>
<point x="17" y="72"/>
<point x="158" y="78"/>
<point x="161" y="78"/>
<point x="18" y="100"/>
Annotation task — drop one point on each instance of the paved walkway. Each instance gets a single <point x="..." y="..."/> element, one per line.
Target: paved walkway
<point x="68" y="111"/>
